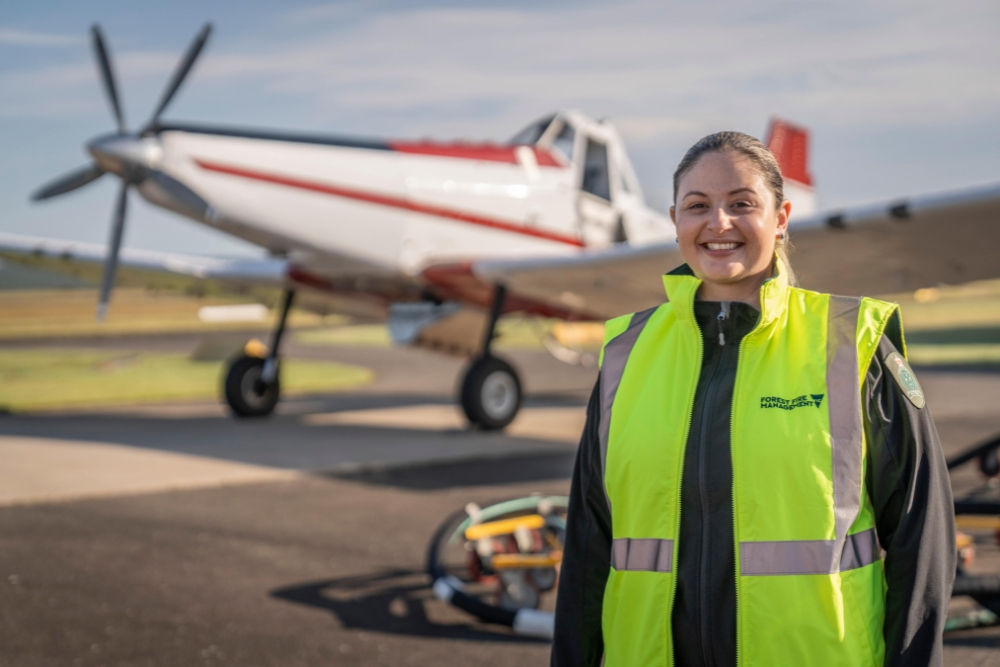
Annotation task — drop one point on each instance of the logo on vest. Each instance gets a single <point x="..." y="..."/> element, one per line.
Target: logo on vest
<point x="803" y="401"/>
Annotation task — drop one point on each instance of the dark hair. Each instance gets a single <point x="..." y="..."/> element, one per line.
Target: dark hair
<point x="749" y="147"/>
<point x="760" y="157"/>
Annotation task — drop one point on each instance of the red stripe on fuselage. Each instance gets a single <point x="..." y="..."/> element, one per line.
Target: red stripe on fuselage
<point x="390" y="201"/>
<point x="486" y="152"/>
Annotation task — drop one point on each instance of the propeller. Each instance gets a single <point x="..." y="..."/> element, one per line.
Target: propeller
<point x="114" y="246"/>
<point x="183" y="67"/>
<point x="69" y="182"/>
<point x="130" y="172"/>
<point x="107" y="76"/>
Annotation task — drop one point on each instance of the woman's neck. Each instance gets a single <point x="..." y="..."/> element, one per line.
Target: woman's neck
<point x="747" y="290"/>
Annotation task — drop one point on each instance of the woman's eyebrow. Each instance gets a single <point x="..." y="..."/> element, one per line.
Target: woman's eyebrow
<point x="693" y="192"/>
<point x="739" y="190"/>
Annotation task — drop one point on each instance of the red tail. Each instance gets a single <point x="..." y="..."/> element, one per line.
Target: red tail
<point x="790" y="145"/>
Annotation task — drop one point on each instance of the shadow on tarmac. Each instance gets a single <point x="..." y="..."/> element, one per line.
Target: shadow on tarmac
<point x="284" y="440"/>
<point x="510" y="469"/>
<point x="973" y="638"/>
<point x="390" y="601"/>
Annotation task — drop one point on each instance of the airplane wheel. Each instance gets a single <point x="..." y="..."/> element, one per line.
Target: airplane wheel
<point x="491" y="393"/>
<point x="241" y="390"/>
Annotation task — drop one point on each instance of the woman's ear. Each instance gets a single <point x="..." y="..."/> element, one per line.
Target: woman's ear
<point x="673" y="215"/>
<point x="784" y="211"/>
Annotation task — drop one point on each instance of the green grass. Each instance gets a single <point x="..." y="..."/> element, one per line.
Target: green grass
<point x="514" y="333"/>
<point x="48" y="379"/>
<point x="953" y="355"/>
<point x="360" y="335"/>
<point x="957" y="325"/>
<point x="26" y="314"/>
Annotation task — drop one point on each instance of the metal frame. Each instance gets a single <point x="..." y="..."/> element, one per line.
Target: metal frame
<point x="496" y="310"/>
<point x="270" y="372"/>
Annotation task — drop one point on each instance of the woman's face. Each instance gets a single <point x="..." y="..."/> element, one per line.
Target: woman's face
<point x="727" y="220"/>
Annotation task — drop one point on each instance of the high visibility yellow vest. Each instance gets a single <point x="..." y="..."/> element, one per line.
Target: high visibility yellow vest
<point x="810" y="588"/>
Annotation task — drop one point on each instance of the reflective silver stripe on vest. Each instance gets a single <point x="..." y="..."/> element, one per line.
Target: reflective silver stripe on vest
<point x="809" y="556"/>
<point x="616" y="354"/>
<point x="843" y="388"/>
<point x="642" y="555"/>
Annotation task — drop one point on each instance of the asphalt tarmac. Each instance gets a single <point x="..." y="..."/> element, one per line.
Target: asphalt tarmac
<point x="300" y="540"/>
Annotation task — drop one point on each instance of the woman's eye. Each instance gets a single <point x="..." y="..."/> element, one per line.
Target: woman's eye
<point x="696" y="205"/>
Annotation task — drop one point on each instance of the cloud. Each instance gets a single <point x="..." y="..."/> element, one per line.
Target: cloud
<point x="882" y="66"/>
<point x="663" y="71"/>
<point x="27" y="38"/>
<point x="74" y="89"/>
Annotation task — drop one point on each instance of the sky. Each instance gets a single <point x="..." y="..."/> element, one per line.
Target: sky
<point x="900" y="97"/>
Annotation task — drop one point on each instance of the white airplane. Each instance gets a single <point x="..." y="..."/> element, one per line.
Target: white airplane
<point x="441" y="239"/>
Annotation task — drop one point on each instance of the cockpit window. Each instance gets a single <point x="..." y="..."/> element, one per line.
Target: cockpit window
<point x="596" y="179"/>
<point x="531" y="134"/>
<point x="565" y="140"/>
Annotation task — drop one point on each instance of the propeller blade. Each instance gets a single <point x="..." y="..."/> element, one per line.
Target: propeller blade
<point x="114" y="246"/>
<point x="183" y="67"/>
<point x="183" y="197"/>
<point x="68" y="182"/>
<point x="107" y="75"/>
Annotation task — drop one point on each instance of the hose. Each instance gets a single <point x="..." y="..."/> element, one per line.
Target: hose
<point x="449" y="588"/>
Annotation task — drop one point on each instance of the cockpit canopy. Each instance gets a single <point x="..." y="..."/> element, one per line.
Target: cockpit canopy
<point x="530" y="135"/>
<point x="593" y="148"/>
<point x="562" y="139"/>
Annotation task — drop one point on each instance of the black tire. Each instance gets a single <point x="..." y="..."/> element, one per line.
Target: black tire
<point x="240" y="388"/>
<point x="989" y="463"/>
<point x="491" y="393"/>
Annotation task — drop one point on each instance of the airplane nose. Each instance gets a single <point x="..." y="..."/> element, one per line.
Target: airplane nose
<point x="126" y="155"/>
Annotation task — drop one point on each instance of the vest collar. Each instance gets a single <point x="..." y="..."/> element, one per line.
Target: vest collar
<point x="682" y="285"/>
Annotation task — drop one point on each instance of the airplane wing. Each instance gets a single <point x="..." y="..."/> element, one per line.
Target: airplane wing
<point x="85" y="259"/>
<point x="256" y="279"/>
<point x="874" y="249"/>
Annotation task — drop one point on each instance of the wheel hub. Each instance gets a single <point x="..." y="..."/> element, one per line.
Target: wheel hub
<point x="252" y="387"/>
<point x="499" y="394"/>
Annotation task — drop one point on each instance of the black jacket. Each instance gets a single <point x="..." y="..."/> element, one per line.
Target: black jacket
<point x="907" y="480"/>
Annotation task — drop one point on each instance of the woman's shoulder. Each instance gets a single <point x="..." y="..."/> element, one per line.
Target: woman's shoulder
<point x="867" y="301"/>
<point x="619" y="325"/>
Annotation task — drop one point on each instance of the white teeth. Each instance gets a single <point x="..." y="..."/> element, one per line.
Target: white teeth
<point x="722" y="246"/>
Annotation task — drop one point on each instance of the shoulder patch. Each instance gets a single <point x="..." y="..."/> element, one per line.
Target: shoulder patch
<point x="906" y="379"/>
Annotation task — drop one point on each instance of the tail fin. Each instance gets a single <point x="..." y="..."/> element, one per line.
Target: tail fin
<point x="790" y="145"/>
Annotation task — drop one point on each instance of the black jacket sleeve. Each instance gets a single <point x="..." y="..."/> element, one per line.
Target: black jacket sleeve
<point x="578" y="641"/>
<point x="907" y="480"/>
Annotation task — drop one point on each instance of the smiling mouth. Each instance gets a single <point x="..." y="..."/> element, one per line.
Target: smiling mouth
<point x="721" y="246"/>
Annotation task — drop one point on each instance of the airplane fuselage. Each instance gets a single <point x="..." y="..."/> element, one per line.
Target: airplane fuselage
<point x="366" y="207"/>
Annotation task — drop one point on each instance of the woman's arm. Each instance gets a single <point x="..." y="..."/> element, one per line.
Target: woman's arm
<point x="908" y="483"/>
<point x="586" y="561"/>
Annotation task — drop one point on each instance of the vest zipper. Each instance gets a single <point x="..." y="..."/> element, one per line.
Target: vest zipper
<point x="703" y="597"/>
<point x="723" y="316"/>
<point x="680" y="482"/>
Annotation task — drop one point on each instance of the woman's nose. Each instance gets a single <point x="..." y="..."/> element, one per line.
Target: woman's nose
<point x="720" y="220"/>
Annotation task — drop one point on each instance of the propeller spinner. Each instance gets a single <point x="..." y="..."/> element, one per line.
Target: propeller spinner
<point x="128" y="155"/>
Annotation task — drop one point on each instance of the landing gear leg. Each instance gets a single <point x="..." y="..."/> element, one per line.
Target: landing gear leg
<point x="491" y="390"/>
<point x="252" y="386"/>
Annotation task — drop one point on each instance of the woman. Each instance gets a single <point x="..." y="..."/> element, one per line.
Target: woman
<point x="759" y="482"/>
